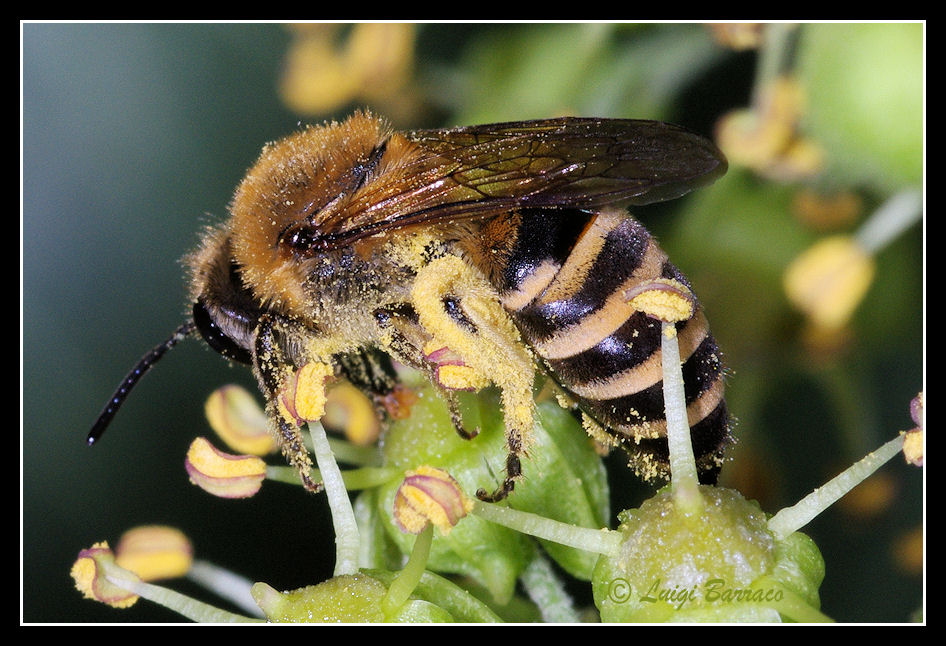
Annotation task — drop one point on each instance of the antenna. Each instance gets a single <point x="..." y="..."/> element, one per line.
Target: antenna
<point x="132" y="378"/>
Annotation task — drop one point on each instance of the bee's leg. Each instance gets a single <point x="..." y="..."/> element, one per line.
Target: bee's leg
<point x="513" y="471"/>
<point x="271" y="366"/>
<point x="458" y="307"/>
<point x="295" y="452"/>
<point x="405" y="339"/>
<point x="368" y="370"/>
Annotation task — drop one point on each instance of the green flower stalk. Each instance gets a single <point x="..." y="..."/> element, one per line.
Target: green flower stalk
<point x="894" y="216"/>
<point x="185" y="606"/>
<point x="804" y="511"/>
<point x="597" y="541"/>
<point x="225" y="584"/>
<point x="407" y="579"/>
<point x="354" y="479"/>
<point x="347" y="539"/>
<point x="684" y="480"/>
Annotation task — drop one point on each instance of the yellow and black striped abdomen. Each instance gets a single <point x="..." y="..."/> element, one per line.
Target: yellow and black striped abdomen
<point x="564" y="277"/>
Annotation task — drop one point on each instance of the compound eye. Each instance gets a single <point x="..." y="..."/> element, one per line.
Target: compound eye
<point x="216" y="338"/>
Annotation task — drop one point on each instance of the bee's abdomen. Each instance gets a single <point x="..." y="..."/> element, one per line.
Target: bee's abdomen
<point x="564" y="284"/>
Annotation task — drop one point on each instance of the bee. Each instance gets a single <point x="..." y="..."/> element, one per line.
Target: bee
<point x="474" y="254"/>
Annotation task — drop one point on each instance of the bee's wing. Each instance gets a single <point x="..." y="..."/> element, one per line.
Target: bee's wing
<point x="567" y="162"/>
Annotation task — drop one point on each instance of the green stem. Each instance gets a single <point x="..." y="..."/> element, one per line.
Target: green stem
<point x="179" y="603"/>
<point x="347" y="538"/>
<point x="599" y="541"/>
<point x="793" y="518"/>
<point x="355" y="479"/>
<point x="462" y="605"/>
<point x="792" y="605"/>
<point x="685" y="482"/>
<point x="407" y="579"/>
<point x="225" y="584"/>
<point x="349" y="453"/>
<point x="773" y="58"/>
<point x="893" y="217"/>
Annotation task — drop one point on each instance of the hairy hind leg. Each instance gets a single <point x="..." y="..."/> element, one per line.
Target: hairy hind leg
<point x="457" y="306"/>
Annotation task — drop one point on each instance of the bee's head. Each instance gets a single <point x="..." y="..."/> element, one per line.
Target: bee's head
<point x="227" y="331"/>
<point x="224" y="310"/>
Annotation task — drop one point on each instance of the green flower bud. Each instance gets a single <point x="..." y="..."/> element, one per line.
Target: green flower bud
<point x="720" y="564"/>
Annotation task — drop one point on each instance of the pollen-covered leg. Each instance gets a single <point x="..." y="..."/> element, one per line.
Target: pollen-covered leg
<point x="461" y="311"/>
<point x="293" y="449"/>
<point x="409" y="343"/>
<point x="371" y="375"/>
<point x="277" y="376"/>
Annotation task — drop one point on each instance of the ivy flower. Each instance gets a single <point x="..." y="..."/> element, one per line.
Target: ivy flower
<point x="829" y="280"/>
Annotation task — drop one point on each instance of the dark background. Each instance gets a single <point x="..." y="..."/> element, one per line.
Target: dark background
<point x="135" y="135"/>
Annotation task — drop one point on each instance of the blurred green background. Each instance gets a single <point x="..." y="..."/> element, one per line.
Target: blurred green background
<point x="135" y="135"/>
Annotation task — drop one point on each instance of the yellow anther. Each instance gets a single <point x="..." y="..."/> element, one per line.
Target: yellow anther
<point x="222" y="474"/>
<point x="429" y="495"/>
<point x="155" y="552"/>
<point x="664" y="299"/>
<point x="239" y="420"/>
<point x="89" y="574"/>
